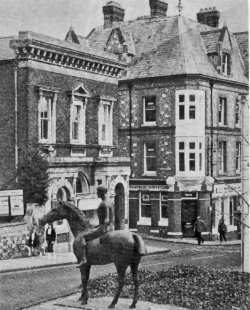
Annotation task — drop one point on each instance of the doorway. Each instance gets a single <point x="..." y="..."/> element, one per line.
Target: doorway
<point x="119" y="207"/>
<point x="188" y="217"/>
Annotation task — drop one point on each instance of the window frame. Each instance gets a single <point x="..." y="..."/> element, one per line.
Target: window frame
<point x="50" y="97"/>
<point x="144" y="220"/>
<point x="163" y="221"/>
<point x="222" y="111"/>
<point x="145" y="157"/>
<point x="81" y="103"/>
<point x="147" y="99"/>
<point x="226" y="64"/>
<point x="105" y="111"/>
<point x="222" y="148"/>
<point x="238" y="157"/>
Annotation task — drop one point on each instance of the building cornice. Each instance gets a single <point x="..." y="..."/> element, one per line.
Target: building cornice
<point x="32" y="49"/>
<point x="185" y="76"/>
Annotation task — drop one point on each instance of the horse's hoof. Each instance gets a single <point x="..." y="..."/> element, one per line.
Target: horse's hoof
<point x="84" y="302"/>
<point x="111" y="306"/>
<point x="132" y="306"/>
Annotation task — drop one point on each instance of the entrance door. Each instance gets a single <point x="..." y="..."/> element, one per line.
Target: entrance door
<point x="188" y="217"/>
<point x="119" y="207"/>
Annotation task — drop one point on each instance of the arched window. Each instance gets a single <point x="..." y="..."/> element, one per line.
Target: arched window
<point x="82" y="186"/>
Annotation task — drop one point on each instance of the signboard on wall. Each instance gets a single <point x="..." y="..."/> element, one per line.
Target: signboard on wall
<point x="11" y="203"/>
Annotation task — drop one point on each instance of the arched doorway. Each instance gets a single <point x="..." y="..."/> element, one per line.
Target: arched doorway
<point x="119" y="207"/>
<point x="63" y="193"/>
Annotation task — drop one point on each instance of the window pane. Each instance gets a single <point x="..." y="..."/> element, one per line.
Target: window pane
<point x="151" y="164"/>
<point x="181" y="145"/>
<point x="150" y="109"/>
<point x="200" y="161"/>
<point x="181" y="111"/>
<point x="181" y="98"/>
<point x="146" y="210"/>
<point x="181" y="162"/>
<point x="150" y="156"/>
<point x="192" y="112"/>
<point x="192" y="161"/>
<point x="164" y="211"/>
<point x="75" y="134"/>
<point x="150" y="116"/>
<point x="191" y="98"/>
<point x="192" y="145"/>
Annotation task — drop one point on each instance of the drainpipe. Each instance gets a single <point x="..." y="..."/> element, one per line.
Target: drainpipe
<point x="15" y="104"/>
<point x="130" y="126"/>
<point x="212" y="130"/>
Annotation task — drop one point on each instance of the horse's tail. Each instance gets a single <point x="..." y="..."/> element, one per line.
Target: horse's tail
<point x="140" y="247"/>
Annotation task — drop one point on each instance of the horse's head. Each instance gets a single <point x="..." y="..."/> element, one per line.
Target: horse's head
<point x="56" y="213"/>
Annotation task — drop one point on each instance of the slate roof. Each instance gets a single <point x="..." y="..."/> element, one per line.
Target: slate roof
<point x="242" y="40"/>
<point x="6" y="53"/>
<point x="169" y="46"/>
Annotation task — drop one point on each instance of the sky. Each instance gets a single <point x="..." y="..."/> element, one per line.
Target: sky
<point x="54" y="17"/>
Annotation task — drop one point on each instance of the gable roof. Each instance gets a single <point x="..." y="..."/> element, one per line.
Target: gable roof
<point x="242" y="41"/>
<point x="168" y="46"/>
<point x="6" y="53"/>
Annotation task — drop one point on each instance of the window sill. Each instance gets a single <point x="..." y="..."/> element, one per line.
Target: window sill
<point x="149" y="174"/>
<point x="163" y="222"/>
<point x="144" y="221"/>
<point x="153" y="124"/>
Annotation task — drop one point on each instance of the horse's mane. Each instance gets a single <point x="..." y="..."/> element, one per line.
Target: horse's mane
<point x="73" y="209"/>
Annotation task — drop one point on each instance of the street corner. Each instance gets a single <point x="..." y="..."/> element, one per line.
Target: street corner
<point x="102" y="303"/>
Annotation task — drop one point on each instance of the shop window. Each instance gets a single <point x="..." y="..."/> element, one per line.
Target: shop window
<point x="149" y="114"/>
<point x="222" y="112"/>
<point x="150" y="158"/>
<point x="238" y="157"/>
<point x="222" y="157"/>
<point x="145" y="206"/>
<point x="164" y="206"/>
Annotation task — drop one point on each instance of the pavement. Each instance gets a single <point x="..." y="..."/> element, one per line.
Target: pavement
<point x="71" y="302"/>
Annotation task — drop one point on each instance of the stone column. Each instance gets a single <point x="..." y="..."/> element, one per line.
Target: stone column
<point x="174" y="213"/>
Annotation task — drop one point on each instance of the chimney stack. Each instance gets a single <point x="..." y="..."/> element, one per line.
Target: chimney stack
<point x="113" y="12"/>
<point x="209" y="16"/>
<point x="158" y="8"/>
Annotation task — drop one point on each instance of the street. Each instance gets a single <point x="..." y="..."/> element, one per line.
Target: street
<point x="27" y="288"/>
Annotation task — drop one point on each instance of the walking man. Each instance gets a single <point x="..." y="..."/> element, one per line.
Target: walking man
<point x="199" y="227"/>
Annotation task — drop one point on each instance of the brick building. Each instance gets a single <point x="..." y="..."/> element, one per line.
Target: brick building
<point x="61" y="97"/>
<point x="170" y="87"/>
<point x="179" y="115"/>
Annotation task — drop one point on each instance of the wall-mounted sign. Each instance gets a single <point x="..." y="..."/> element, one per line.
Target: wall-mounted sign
<point x="11" y="203"/>
<point x="189" y="195"/>
<point x="148" y="187"/>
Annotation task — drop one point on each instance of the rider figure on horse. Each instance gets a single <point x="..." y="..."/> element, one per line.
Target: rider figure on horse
<point x="105" y="214"/>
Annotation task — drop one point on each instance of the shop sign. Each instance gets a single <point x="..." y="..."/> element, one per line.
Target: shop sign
<point x="11" y="203"/>
<point x="189" y="195"/>
<point x="148" y="187"/>
<point x="228" y="190"/>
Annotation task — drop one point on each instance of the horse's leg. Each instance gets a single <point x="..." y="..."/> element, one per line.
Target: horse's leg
<point x="85" y="271"/>
<point x="134" y="270"/>
<point x="121" y="270"/>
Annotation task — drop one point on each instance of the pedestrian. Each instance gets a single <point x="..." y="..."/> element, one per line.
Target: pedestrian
<point x="222" y="229"/>
<point x="50" y="237"/>
<point x="199" y="227"/>
<point x="34" y="240"/>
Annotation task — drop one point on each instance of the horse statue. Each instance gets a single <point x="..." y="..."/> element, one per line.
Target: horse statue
<point x="121" y="247"/>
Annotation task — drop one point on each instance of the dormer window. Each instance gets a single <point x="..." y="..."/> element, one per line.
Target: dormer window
<point x="225" y="64"/>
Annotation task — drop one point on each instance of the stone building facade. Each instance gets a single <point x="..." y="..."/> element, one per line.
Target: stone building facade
<point x="61" y="98"/>
<point x="180" y="122"/>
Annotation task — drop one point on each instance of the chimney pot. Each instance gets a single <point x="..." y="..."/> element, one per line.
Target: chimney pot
<point x="209" y="17"/>
<point x="158" y="8"/>
<point x="113" y="12"/>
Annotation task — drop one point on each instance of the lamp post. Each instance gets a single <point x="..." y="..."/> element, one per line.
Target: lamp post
<point x="210" y="222"/>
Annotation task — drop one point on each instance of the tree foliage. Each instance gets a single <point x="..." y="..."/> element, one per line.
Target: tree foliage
<point x="33" y="176"/>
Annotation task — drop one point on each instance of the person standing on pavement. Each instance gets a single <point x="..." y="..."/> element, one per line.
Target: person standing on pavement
<point x="222" y="229"/>
<point x="34" y="240"/>
<point x="50" y="237"/>
<point x="199" y="227"/>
